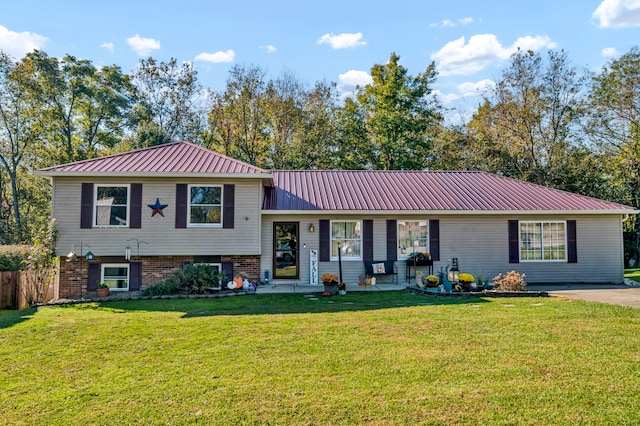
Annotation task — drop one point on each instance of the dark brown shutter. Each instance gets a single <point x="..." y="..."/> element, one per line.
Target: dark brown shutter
<point x="367" y="239"/>
<point x="135" y="276"/>
<point x="86" y="206"/>
<point x="392" y="239"/>
<point x="93" y="276"/>
<point x="135" y="221"/>
<point x="228" y="207"/>
<point x="434" y="239"/>
<point x="324" y="254"/>
<point x="572" y="246"/>
<point x="182" y="190"/>
<point x="227" y="267"/>
<point x="514" y="252"/>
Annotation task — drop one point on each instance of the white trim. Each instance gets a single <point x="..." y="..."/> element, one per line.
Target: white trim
<point x="205" y="225"/>
<point x="116" y="265"/>
<point x="95" y="204"/>
<point x="543" y="260"/>
<point x="331" y="239"/>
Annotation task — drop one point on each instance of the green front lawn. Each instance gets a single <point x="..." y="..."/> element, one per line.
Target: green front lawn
<point x="633" y="274"/>
<point x="365" y="358"/>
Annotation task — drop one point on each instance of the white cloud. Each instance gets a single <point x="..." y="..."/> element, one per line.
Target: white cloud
<point x="458" y="58"/>
<point x="348" y="81"/>
<point x="447" y="23"/>
<point x="342" y="41"/>
<point x="107" y="46"/>
<point x="19" y="44"/>
<point x="445" y="99"/>
<point x="269" y="48"/>
<point x="142" y="45"/>
<point x="217" y="57"/>
<point x="469" y="88"/>
<point x="610" y="52"/>
<point x="618" y="14"/>
<point x="466" y="21"/>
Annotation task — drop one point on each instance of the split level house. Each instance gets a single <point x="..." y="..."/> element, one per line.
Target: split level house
<point x="142" y="214"/>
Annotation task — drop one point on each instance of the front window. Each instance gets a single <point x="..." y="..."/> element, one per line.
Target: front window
<point x="205" y="205"/>
<point x="542" y="241"/>
<point x="413" y="236"/>
<point x="346" y="237"/>
<point x="111" y="205"/>
<point x="116" y="276"/>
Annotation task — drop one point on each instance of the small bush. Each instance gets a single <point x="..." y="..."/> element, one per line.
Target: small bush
<point x="13" y="257"/>
<point x="511" y="281"/>
<point x="163" y="288"/>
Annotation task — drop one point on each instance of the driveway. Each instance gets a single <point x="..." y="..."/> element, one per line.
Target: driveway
<point x="614" y="294"/>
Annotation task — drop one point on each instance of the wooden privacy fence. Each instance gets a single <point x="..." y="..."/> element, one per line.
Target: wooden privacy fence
<point x="13" y="288"/>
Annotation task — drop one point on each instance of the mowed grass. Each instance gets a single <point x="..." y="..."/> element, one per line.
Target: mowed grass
<point x="633" y="274"/>
<point x="376" y="358"/>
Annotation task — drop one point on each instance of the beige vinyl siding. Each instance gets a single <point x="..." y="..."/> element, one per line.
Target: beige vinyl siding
<point x="160" y="232"/>
<point x="479" y="242"/>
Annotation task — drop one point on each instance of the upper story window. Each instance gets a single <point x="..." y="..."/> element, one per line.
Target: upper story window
<point x="543" y="241"/>
<point x="413" y="236"/>
<point x="205" y="205"/>
<point x="346" y="237"/>
<point x="111" y="205"/>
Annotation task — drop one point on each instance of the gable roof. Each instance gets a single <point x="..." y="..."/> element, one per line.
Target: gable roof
<point x="419" y="191"/>
<point x="168" y="159"/>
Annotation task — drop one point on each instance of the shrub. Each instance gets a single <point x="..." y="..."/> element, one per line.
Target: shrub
<point x="12" y="257"/>
<point x="163" y="288"/>
<point x="192" y="279"/>
<point x="511" y="281"/>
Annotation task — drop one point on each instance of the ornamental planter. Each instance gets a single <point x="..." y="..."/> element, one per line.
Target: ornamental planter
<point x="103" y="292"/>
<point x="332" y="289"/>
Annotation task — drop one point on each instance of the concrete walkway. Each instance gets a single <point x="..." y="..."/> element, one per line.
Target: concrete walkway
<point x="614" y="294"/>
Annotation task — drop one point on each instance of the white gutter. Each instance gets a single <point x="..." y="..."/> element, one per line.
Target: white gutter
<point x="448" y="212"/>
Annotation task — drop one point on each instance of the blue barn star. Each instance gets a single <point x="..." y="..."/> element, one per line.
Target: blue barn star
<point x="157" y="208"/>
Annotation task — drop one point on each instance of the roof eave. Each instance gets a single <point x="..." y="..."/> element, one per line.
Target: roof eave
<point x="452" y="212"/>
<point x="265" y="176"/>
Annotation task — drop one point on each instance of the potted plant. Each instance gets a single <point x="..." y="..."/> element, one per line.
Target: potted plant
<point x="342" y="288"/>
<point x="330" y="282"/>
<point x="466" y="280"/>
<point x="103" y="290"/>
<point x="431" y="281"/>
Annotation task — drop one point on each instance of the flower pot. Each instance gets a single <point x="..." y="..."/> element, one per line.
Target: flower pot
<point x="342" y="292"/>
<point x="332" y="289"/>
<point x="103" y="292"/>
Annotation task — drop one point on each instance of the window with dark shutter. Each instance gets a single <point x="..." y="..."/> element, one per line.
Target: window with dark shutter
<point x="434" y="239"/>
<point x="514" y="252"/>
<point x="93" y="276"/>
<point x="135" y="276"/>
<point x="228" y="206"/>
<point x="86" y="206"/>
<point x="367" y="240"/>
<point x="181" y="205"/>
<point x="227" y="267"/>
<point x="392" y="239"/>
<point x="572" y="245"/>
<point x="324" y="252"/>
<point x="136" y="206"/>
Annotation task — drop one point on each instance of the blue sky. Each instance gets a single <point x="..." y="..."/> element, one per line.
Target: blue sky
<point x="340" y="41"/>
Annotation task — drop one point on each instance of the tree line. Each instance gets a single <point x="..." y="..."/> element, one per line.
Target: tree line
<point x="545" y="121"/>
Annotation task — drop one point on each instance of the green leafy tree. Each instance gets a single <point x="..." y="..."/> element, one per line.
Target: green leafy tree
<point x="614" y="124"/>
<point x="170" y="103"/>
<point x="529" y="128"/>
<point x="398" y="115"/>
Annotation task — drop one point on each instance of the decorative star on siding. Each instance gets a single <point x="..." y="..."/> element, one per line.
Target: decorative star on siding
<point x="157" y="208"/>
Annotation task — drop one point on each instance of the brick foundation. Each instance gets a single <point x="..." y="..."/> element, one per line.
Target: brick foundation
<point x="74" y="275"/>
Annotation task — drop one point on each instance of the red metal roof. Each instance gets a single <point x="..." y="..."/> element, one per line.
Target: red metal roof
<point x="175" y="157"/>
<point x="419" y="191"/>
